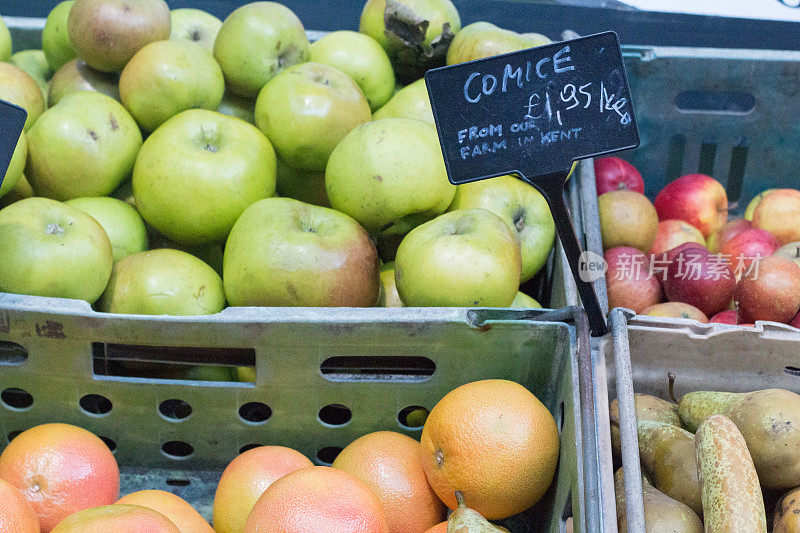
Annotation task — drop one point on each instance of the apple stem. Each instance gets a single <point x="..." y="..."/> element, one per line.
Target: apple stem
<point x="460" y="499"/>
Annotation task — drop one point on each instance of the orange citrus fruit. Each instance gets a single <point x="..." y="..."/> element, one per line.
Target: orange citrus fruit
<point x="317" y="499"/>
<point x="178" y="510"/>
<point x="494" y="441"/>
<point x="60" y="469"/>
<point x="441" y="527"/>
<point x="389" y="464"/>
<point x="117" y="519"/>
<point x="16" y="514"/>
<point x="246" y="478"/>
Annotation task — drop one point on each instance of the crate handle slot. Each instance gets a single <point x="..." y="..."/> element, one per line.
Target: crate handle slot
<point x="792" y="371"/>
<point x="377" y="368"/>
<point x="715" y="102"/>
<point x="12" y="354"/>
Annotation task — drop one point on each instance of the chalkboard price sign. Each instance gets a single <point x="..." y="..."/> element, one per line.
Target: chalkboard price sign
<point x="533" y="113"/>
<point x="12" y="120"/>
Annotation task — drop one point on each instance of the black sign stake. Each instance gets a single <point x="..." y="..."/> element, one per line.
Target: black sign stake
<point x="531" y="114"/>
<point x="12" y="120"/>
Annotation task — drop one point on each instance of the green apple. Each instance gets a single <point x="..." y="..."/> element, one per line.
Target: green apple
<point x="483" y="39"/>
<point x="125" y="193"/>
<point x="389" y="296"/>
<point x="16" y="167"/>
<point x="85" y="145"/>
<point x="256" y="42"/>
<point x="76" y="76"/>
<point x="167" y="77"/>
<point x="282" y="252"/>
<point x="5" y="41"/>
<point x="239" y="107"/>
<point x="196" y="174"/>
<point x="435" y="12"/>
<point x="522" y="207"/>
<point x="55" y="37"/>
<point x="51" y="249"/>
<point x="523" y="301"/>
<point x="210" y="254"/>
<point x="18" y="87"/>
<point x="35" y="64"/>
<point x="122" y="223"/>
<point x="106" y="33"/>
<point x="195" y="25"/>
<point x="538" y="40"/>
<point x="411" y="101"/>
<point x="463" y="258"/>
<point x="306" y="110"/>
<point x="360" y="57"/>
<point x="163" y="282"/>
<point x="304" y="185"/>
<point x="18" y="192"/>
<point x="388" y="173"/>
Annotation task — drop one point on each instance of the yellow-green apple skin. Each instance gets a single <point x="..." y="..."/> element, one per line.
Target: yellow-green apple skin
<point x="463" y="258"/>
<point x="19" y="192"/>
<point x="5" y="41"/>
<point x="282" y="252"/>
<point x="198" y="171"/>
<point x="304" y="185"/>
<point x="388" y="173"/>
<point x="483" y="39"/>
<point x="195" y="25"/>
<point x="523" y="301"/>
<point x="16" y="167"/>
<point x="411" y="101"/>
<point x="35" y="64"/>
<point x="256" y="42"/>
<point x="210" y="254"/>
<point x="167" y="77"/>
<point x="76" y="76"/>
<point x="362" y="58"/>
<point x="751" y="207"/>
<point x="306" y="110"/>
<point x="18" y="87"/>
<point x="121" y="222"/>
<point x="87" y="135"/>
<point x="239" y="107"/>
<point x="55" y="38"/>
<point x="51" y="249"/>
<point x="436" y="12"/>
<point x="389" y="296"/>
<point x="163" y="282"/>
<point x="522" y="207"/>
<point x="107" y="33"/>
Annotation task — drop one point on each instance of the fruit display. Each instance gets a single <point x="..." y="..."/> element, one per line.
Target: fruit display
<point x="695" y="261"/>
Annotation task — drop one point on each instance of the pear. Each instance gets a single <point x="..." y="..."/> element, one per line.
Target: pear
<point x="768" y="419"/>
<point x="661" y="513"/>
<point x="732" y="499"/>
<point x="466" y="520"/>
<point x="667" y="453"/>
<point x="787" y="513"/>
<point x="648" y="408"/>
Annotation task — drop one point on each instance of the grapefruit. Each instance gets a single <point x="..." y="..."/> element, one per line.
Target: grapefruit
<point x="494" y="441"/>
<point x="117" y="519"/>
<point x="60" y="469"/>
<point x="175" y="508"/>
<point x="16" y="514"/>
<point x="389" y="464"/>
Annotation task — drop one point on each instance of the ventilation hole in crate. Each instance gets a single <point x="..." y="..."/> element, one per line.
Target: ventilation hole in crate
<point x="177" y="449"/>
<point x="95" y="404"/>
<point x="708" y="153"/>
<point x="15" y="398"/>
<point x="175" y="410"/>
<point x="792" y="371"/>
<point x="109" y="442"/>
<point x="675" y="155"/>
<point x="13" y="434"/>
<point x="248" y="447"/>
<point x="715" y="102"/>
<point x="12" y="353"/>
<point x="335" y="414"/>
<point x="255" y="412"/>
<point x="373" y="368"/>
<point x="736" y="172"/>
<point x="178" y="482"/>
<point x="413" y="417"/>
<point x="328" y="454"/>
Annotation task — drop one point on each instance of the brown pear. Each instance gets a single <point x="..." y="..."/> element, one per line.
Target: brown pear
<point x="648" y="408"/>
<point x="787" y="513"/>
<point x="661" y="513"/>
<point x="466" y="520"/>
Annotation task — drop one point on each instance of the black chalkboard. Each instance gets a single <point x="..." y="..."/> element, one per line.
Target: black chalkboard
<point x="12" y="120"/>
<point x="532" y="113"/>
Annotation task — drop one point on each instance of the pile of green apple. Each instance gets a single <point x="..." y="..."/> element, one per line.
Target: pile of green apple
<point x="173" y="163"/>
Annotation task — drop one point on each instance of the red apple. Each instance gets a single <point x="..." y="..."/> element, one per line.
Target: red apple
<point x="779" y="213"/>
<point x="615" y="174"/>
<point x="770" y="291"/>
<point x="631" y="283"/>
<point x="697" y="199"/>
<point x="696" y="276"/>
<point x="747" y="246"/>
<point x="795" y="323"/>
<point x="673" y="233"/>
<point x="676" y="310"/>
<point x="726" y="233"/>
<point x="725" y="317"/>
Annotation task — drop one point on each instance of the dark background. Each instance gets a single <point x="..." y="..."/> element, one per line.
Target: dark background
<point x="542" y="16"/>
